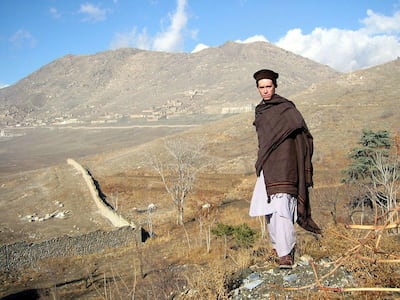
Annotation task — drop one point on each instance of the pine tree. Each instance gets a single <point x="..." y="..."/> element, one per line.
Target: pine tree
<point x="362" y="158"/>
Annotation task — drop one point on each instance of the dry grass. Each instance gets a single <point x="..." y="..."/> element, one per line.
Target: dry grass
<point x="176" y="262"/>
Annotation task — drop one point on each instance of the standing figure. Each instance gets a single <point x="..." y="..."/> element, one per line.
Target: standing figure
<point x="284" y="168"/>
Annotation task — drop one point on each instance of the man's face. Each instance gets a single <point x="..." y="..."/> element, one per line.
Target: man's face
<point x="266" y="88"/>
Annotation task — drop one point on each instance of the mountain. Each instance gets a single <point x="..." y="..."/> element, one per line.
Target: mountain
<point x="337" y="107"/>
<point x="131" y="83"/>
<point x="336" y="112"/>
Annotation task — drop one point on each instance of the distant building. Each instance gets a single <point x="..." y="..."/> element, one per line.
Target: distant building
<point x="237" y="109"/>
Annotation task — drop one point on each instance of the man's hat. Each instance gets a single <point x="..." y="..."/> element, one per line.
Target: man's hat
<point x="266" y="74"/>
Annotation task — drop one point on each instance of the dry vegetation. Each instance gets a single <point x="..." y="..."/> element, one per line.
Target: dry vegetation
<point x="178" y="263"/>
<point x="186" y="262"/>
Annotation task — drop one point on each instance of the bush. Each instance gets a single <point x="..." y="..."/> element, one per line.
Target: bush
<point x="243" y="235"/>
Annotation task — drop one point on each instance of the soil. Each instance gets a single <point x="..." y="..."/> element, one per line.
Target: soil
<point x="36" y="180"/>
<point x="35" y="194"/>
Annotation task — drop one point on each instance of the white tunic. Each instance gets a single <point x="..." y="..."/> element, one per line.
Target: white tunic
<point x="259" y="205"/>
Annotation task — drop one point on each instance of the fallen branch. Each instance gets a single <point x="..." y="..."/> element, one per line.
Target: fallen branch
<point x="317" y="280"/>
<point x="372" y="227"/>
<point x="366" y="289"/>
<point x="354" y="252"/>
<point x="373" y="260"/>
<point x="315" y="273"/>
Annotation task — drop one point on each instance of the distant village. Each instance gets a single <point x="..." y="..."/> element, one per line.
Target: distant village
<point x="172" y="109"/>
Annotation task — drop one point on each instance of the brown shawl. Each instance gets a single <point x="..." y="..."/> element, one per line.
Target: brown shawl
<point x="277" y="120"/>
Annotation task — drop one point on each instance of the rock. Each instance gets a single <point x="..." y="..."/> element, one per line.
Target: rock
<point x="252" y="281"/>
<point x="305" y="259"/>
<point x="290" y="277"/>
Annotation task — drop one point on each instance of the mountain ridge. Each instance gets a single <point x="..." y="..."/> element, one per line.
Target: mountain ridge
<point x="124" y="82"/>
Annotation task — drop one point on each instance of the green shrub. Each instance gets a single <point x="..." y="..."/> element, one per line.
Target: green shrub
<point x="243" y="235"/>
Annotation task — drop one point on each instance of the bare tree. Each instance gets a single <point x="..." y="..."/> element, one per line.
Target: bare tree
<point x="385" y="187"/>
<point x="206" y="214"/>
<point x="178" y="168"/>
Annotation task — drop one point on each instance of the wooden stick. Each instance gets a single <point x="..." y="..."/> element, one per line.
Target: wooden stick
<point x="372" y="227"/>
<point x="315" y="273"/>
<point x="366" y="289"/>
<point x="373" y="260"/>
<point x="378" y="241"/>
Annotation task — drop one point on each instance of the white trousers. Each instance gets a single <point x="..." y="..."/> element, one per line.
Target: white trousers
<point x="280" y="211"/>
<point x="280" y="223"/>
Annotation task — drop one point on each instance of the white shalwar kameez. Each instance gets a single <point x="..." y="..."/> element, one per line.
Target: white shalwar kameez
<point x="280" y="211"/>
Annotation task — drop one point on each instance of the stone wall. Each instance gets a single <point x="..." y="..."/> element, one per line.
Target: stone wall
<point x="24" y="254"/>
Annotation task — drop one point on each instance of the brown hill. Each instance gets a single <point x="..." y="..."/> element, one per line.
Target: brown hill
<point x="127" y="81"/>
<point x="336" y="112"/>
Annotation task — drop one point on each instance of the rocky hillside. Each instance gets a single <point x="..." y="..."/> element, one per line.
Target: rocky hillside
<point x="130" y="83"/>
<point x="336" y="112"/>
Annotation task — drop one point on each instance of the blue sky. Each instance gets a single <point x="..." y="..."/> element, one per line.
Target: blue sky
<point x="344" y="34"/>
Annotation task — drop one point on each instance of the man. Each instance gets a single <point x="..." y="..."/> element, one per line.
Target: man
<point x="284" y="168"/>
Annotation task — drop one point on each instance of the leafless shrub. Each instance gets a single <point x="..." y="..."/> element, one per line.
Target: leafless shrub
<point x="360" y="208"/>
<point x="385" y="187"/>
<point x="178" y="168"/>
<point x="206" y="215"/>
<point x="113" y="285"/>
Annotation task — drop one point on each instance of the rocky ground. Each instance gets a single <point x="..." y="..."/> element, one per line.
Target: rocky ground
<point x="269" y="282"/>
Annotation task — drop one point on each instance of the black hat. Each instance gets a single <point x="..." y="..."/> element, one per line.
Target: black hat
<point x="266" y="74"/>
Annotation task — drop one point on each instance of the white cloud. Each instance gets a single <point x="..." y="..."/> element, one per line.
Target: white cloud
<point x="55" y="13"/>
<point x="346" y="50"/>
<point x="93" y="13"/>
<point x="255" y="38"/>
<point x="3" y="85"/>
<point x="376" y="23"/>
<point x="23" y="38"/>
<point x="131" y="39"/>
<point x="172" y="39"/>
<point x="199" y="47"/>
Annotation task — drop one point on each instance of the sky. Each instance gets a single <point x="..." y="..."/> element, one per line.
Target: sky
<point x="346" y="35"/>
